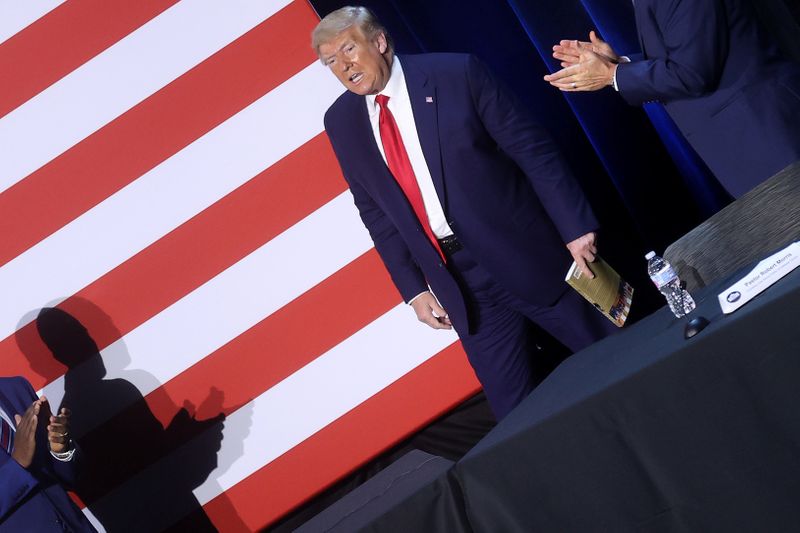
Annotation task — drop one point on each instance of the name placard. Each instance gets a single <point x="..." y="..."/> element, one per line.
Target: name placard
<point x="765" y="274"/>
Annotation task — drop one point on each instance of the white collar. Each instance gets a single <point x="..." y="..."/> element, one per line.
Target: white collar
<point x="394" y="87"/>
<point x="7" y="418"/>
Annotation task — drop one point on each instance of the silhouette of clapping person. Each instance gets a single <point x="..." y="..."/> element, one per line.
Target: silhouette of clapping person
<point x="139" y="474"/>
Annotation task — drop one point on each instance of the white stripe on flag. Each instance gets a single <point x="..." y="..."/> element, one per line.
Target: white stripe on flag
<point x="231" y="303"/>
<point x="16" y="15"/>
<point x="167" y="196"/>
<point x="119" y="78"/>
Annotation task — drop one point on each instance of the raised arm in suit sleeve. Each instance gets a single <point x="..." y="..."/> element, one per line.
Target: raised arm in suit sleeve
<point x="695" y="36"/>
<point x="533" y="150"/>
<point x="16" y="482"/>
<point x="394" y="252"/>
<point x="67" y="472"/>
<point x="64" y="471"/>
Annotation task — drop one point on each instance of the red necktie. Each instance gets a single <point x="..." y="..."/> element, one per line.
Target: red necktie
<point x="400" y="166"/>
<point x="6" y="435"/>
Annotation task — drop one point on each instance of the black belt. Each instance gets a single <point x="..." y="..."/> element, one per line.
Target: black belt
<point x="450" y="244"/>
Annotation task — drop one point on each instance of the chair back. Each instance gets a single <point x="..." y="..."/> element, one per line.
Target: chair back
<point x="758" y="223"/>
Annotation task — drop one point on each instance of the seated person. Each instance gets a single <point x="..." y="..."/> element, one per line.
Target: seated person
<point x="36" y="457"/>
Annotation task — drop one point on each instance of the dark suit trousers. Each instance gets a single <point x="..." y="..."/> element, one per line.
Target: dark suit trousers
<point x="502" y="344"/>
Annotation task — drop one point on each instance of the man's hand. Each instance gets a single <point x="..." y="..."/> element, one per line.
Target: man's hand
<point x="58" y="431"/>
<point x="430" y="312"/>
<point x="25" y="436"/>
<point x="584" y="251"/>
<point x="568" y="52"/>
<point x="587" y="66"/>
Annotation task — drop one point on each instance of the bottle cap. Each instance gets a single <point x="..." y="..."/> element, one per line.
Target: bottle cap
<point x="650" y="255"/>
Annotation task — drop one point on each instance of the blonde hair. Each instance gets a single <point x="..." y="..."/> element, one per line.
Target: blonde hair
<point x="343" y="18"/>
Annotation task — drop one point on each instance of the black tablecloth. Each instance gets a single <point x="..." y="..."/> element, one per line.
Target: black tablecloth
<point x="646" y="431"/>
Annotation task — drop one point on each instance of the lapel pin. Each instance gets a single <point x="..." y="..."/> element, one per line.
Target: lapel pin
<point x="429" y="99"/>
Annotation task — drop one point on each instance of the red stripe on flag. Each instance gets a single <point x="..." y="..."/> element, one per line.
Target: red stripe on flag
<point x="316" y="463"/>
<point x="155" y="129"/>
<point x="158" y="276"/>
<point x="65" y="38"/>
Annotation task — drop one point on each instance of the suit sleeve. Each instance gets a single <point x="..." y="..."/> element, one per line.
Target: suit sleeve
<point x="534" y="151"/>
<point x="67" y="471"/>
<point x="394" y="252"/>
<point x="16" y="483"/>
<point x="695" y="36"/>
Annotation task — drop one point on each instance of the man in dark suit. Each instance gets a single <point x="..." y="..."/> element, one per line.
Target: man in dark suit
<point x="465" y="197"/>
<point x="36" y="456"/>
<point x="719" y="75"/>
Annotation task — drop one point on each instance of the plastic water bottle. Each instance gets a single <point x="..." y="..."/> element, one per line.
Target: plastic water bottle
<point x="668" y="282"/>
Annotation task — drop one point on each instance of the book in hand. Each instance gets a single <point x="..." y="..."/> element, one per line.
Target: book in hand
<point x="607" y="291"/>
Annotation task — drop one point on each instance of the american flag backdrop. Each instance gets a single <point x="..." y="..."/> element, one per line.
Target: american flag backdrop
<point x="165" y="181"/>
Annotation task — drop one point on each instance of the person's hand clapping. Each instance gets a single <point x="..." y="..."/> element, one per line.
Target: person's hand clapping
<point x="25" y="435"/>
<point x="587" y="66"/>
<point x="58" y="431"/>
<point x="568" y="51"/>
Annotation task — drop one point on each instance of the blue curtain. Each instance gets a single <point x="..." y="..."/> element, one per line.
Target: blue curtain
<point x="645" y="182"/>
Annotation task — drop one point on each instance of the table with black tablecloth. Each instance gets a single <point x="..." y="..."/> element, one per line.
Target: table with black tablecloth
<point x="644" y="431"/>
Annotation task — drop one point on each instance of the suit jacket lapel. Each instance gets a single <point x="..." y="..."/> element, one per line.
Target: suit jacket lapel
<point x="424" y="105"/>
<point x="382" y="180"/>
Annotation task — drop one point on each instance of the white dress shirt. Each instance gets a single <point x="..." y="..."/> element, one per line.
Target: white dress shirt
<point x="8" y="419"/>
<point x="400" y="106"/>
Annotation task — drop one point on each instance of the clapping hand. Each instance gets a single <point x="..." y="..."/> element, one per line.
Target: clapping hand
<point x="568" y="52"/>
<point x="588" y="66"/>
<point x="25" y="435"/>
<point x="58" y="431"/>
